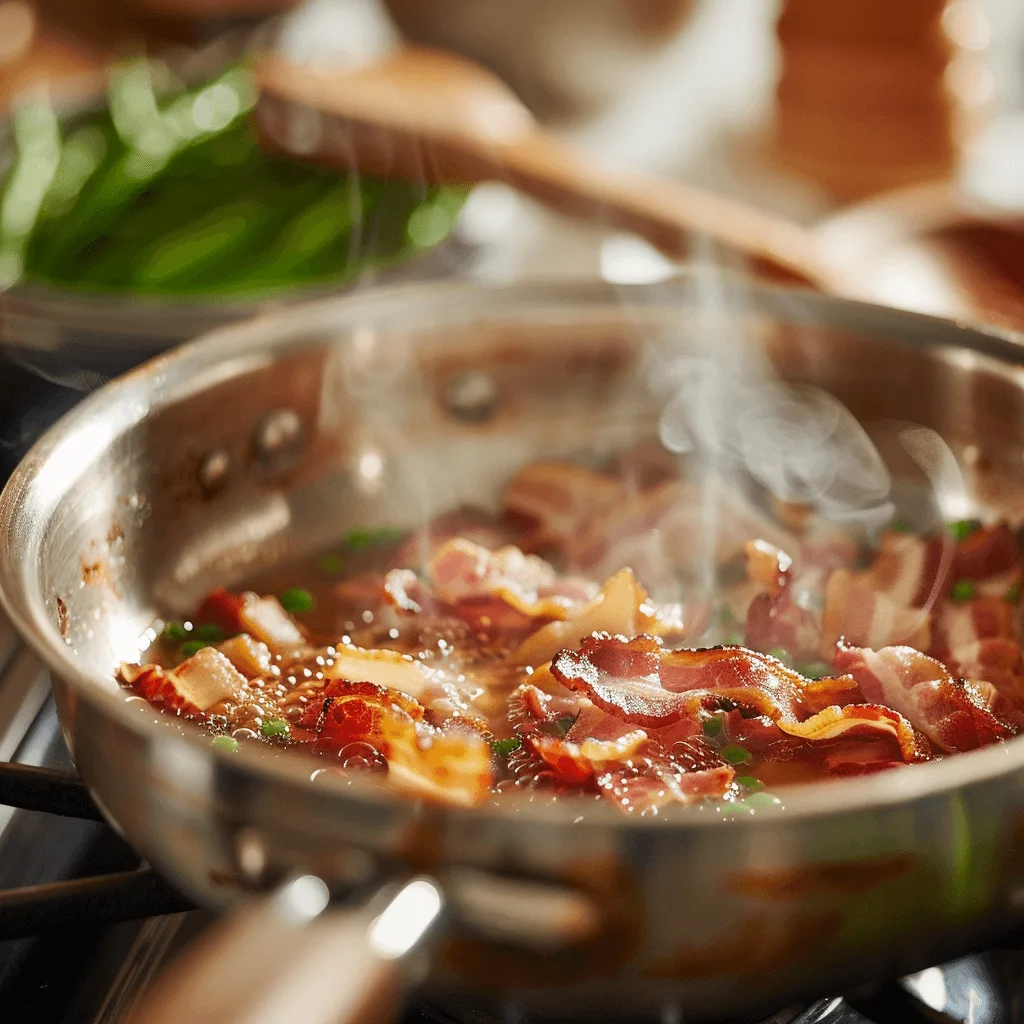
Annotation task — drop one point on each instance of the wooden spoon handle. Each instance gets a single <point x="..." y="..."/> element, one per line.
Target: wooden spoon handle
<point x="666" y="213"/>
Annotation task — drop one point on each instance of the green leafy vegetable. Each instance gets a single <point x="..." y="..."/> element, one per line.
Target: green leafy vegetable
<point x="781" y="654"/>
<point x="296" y="601"/>
<point x="749" y="781"/>
<point x="228" y="743"/>
<point x="168" y="192"/>
<point x="175" y="632"/>
<point x="360" y="540"/>
<point x="274" y="727"/>
<point x="963" y="590"/>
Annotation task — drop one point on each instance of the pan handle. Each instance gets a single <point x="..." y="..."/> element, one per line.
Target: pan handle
<point x="292" y="957"/>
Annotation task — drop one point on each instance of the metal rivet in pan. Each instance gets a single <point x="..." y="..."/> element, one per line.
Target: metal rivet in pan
<point x="279" y="439"/>
<point x="213" y="470"/>
<point x="472" y="397"/>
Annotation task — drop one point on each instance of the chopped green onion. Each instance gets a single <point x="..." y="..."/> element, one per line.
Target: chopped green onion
<point x="780" y="653"/>
<point x="815" y="670"/>
<point x="210" y="632"/>
<point x="175" y="632"/>
<point x="749" y="781"/>
<point x="360" y="540"/>
<point x="734" y="640"/>
<point x="296" y="601"/>
<point x="331" y="564"/>
<point x="1013" y="594"/>
<point x="712" y="726"/>
<point x="963" y="590"/>
<point x="899" y="526"/>
<point x="963" y="528"/>
<point x="274" y="727"/>
<point x="734" y="754"/>
<point x="505" y="747"/>
<point x="193" y="647"/>
<point x="228" y="743"/>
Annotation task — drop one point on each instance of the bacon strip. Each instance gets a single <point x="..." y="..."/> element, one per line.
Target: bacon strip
<point x="552" y="501"/>
<point x="649" y="792"/>
<point x="951" y="713"/>
<point x="621" y="607"/>
<point x="638" y="682"/>
<point x="860" y="615"/>
<point x="910" y="570"/>
<point x="579" y="763"/>
<point x="505" y="592"/>
<point x="987" y="551"/>
<point x="860" y="721"/>
<point x="195" y="686"/>
<point x="446" y="765"/>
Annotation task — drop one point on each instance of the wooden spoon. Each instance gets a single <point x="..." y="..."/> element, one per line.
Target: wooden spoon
<point x="432" y="116"/>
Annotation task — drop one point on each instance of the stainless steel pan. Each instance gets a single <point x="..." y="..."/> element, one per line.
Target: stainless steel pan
<point x="272" y="438"/>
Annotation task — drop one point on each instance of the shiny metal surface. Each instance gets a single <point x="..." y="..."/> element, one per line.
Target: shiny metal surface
<point x="108" y="520"/>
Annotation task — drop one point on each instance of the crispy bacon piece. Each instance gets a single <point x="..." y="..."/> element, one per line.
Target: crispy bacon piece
<point x="857" y="613"/>
<point x="861" y="721"/>
<point x="951" y="713"/>
<point x="675" y="523"/>
<point x="648" y="792"/>
<point x="987" y="551"/>
<point x="961" y="625"/>
<point x="261" y="617"/>
<point x="463" y="571"/>
<point x="249" y="656"/>
<point x="505" y="593"/>
<point x="224" y="609"/>
<point x="195" y="686"/>
<point x="768" y="565"/>
<point x="621" y="607"/>
<point x="447" y="765"/>
<point x="381" y="667"/>
<point x="579" y="763"/>
<point x="910" y="570"/>
<point x="638" y="682"/>
<point x="467" y="523"/>
<point x="552" y="501"/>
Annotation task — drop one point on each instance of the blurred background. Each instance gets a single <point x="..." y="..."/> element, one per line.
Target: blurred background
<point x="138" y="206"/>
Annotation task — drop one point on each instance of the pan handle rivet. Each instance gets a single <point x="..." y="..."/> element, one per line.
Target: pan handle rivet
<point x="472" y="397"/>
<point x="279" y="439"/>
<point x="213" y="470"/>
